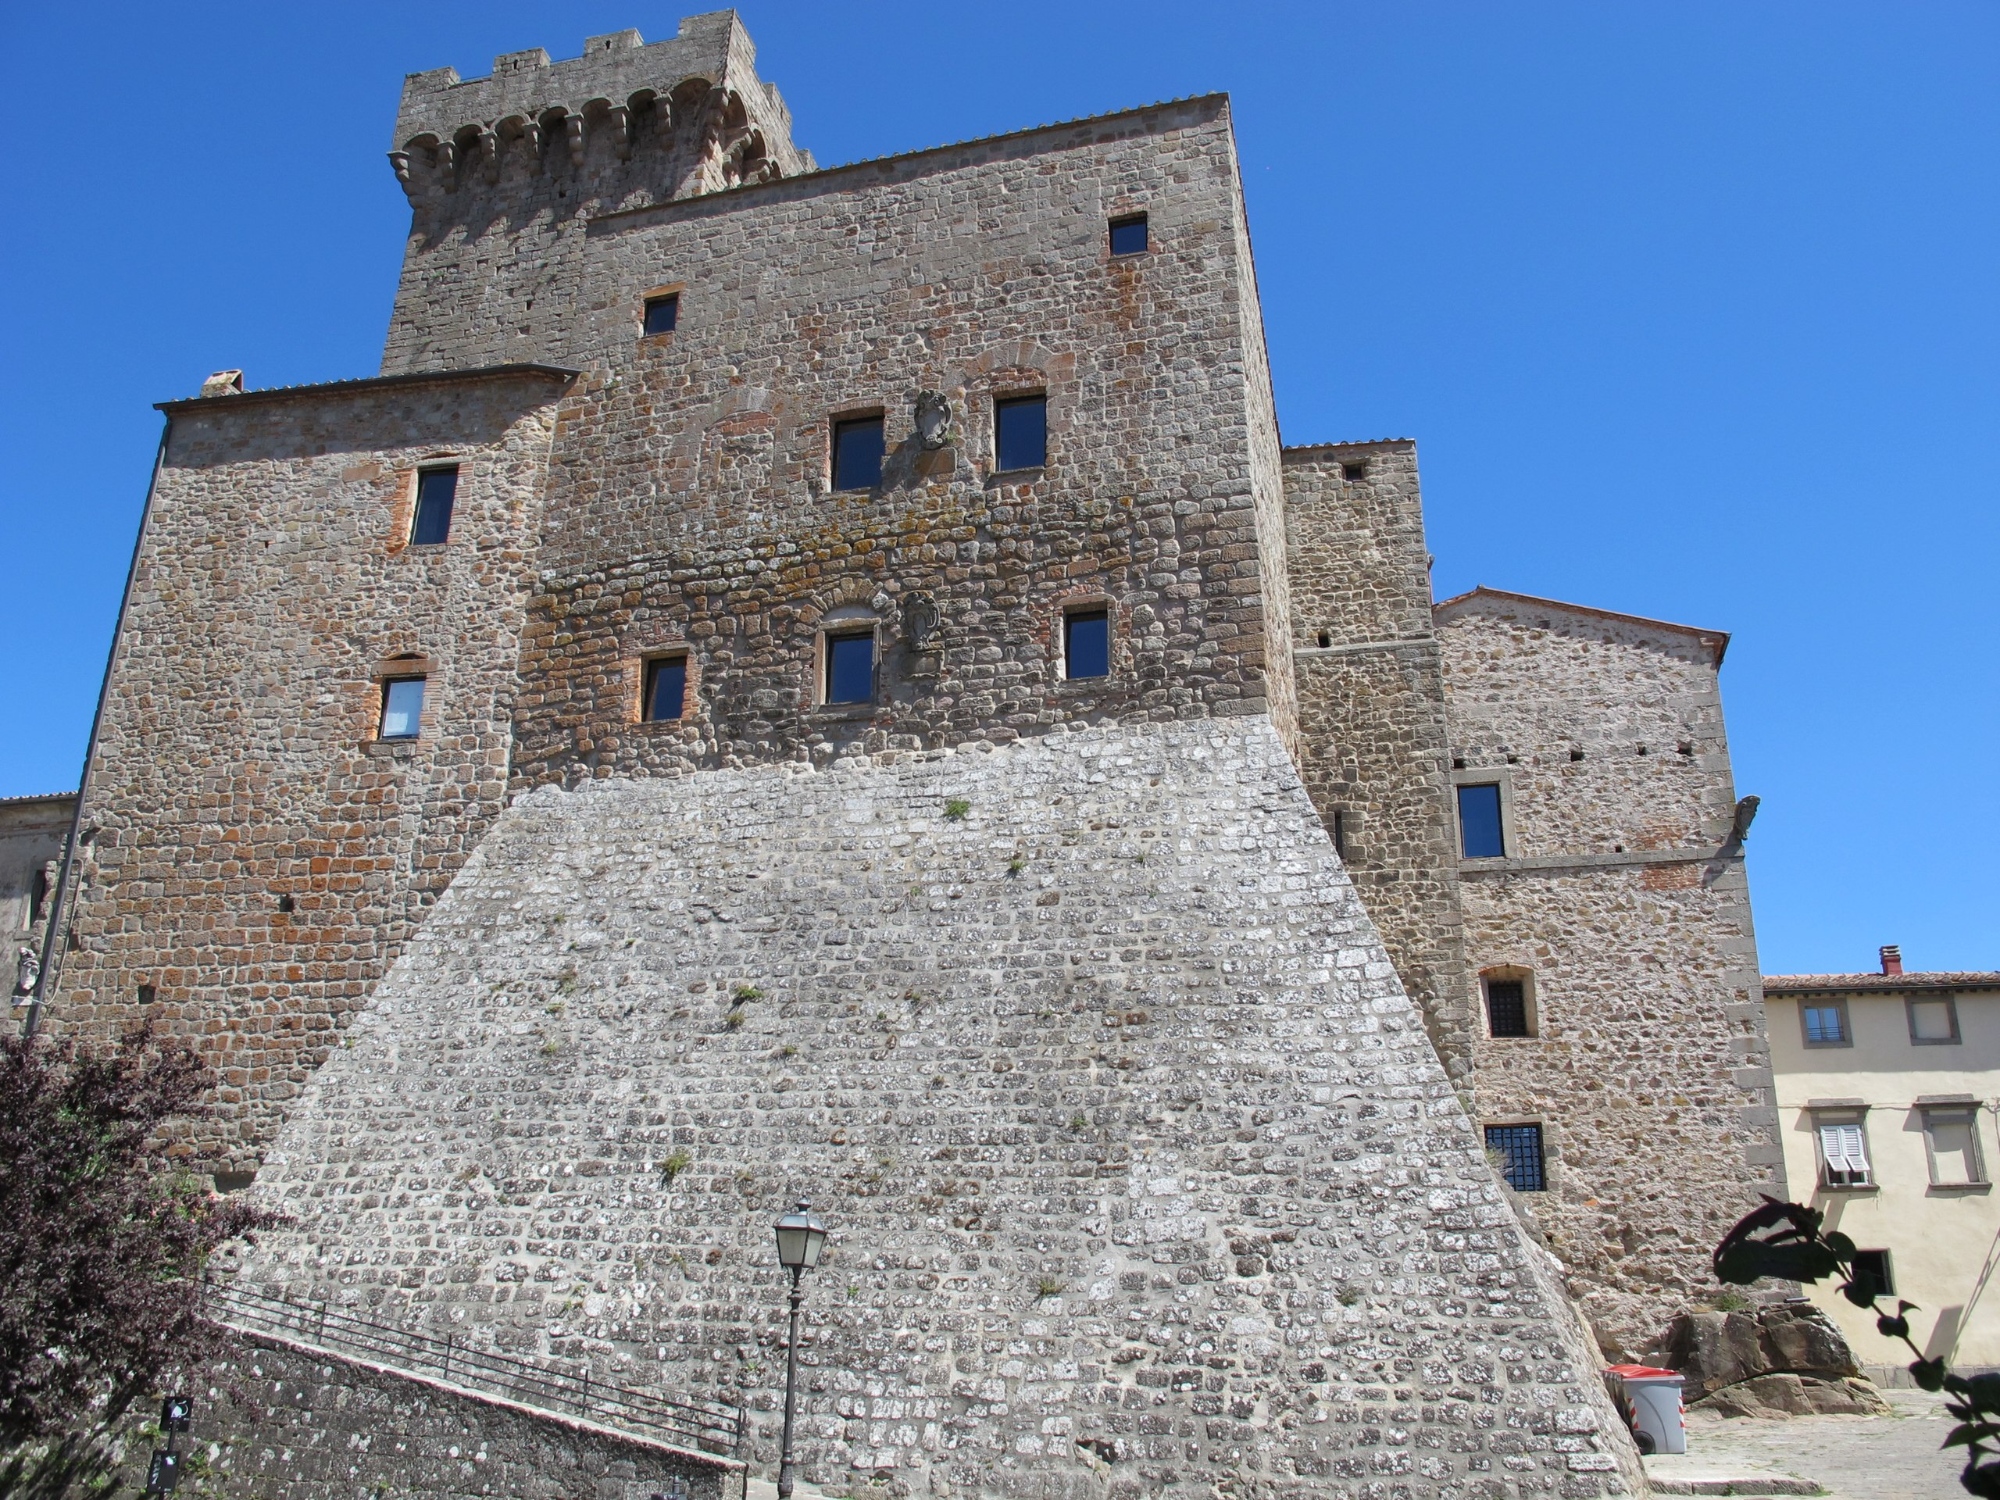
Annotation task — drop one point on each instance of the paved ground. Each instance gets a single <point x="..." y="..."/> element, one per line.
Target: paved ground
<point x="1855" y="1458"/>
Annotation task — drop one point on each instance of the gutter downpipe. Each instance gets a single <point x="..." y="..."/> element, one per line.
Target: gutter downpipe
<point x="54" y="939"/>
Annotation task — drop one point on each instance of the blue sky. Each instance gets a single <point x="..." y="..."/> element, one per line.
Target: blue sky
<point x="1690" y="307"/>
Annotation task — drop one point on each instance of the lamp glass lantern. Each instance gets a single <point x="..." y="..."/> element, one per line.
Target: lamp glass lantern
<point x="801" y="1237"/>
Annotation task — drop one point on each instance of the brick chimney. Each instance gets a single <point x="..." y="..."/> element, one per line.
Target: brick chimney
<point x="1892" y="959"/>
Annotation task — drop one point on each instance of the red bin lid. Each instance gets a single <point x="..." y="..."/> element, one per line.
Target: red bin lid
<point x="1643" y="1372"/>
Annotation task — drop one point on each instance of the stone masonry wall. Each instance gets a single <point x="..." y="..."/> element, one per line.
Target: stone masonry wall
<point x="1143" y="1178"/>
<point x="1650" y="1072"/>
<point x="1373" y="746"/>
<point x="277" y="1419"/>
<point x="690" y="505"/>
<point x="239" y="766"/>
<point x="504" y="174"/>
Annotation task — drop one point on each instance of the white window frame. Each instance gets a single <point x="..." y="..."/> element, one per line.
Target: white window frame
<point x="1849" y="1147"/>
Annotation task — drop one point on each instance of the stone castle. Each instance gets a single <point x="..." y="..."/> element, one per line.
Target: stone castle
<point x="826" y="680"/>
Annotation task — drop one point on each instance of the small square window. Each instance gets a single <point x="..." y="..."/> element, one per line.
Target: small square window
<point x="662" y="313"/>
<point x="1825" y="1024"/>
<point x="436" y="489"/>
<point x="1479" y="821"/>
<point x="850" y="668"/>
<point x="1933" y="1020"/>
<point x="1128" y="235"/>
<point x="1843" y="1153"/>
<point x="1519" y="1148"/>
<point x="1021" y="432"/>
<point x="1951" y="1136"/>
<point x="1507" y="1007"/>
<point x="1873" y="1276"/>
<point x="402" y="708"/>
<point x="1087" y="643"/>
<point x="857" y="454"/>
<point x="1355" y="472"/>
<point x="666" y="688"/>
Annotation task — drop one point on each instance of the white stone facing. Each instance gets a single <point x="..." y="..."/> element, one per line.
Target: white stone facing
<point x="1143" y="1175"/>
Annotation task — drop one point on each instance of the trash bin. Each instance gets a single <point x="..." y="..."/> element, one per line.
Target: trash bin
<point x="1655" y="1397"/>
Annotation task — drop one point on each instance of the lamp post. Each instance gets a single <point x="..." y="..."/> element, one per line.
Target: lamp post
<point x="801" y="1237"/>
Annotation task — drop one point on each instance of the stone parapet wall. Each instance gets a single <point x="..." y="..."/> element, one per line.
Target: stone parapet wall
<point x="1373" y="744"/>
<point x="1142" y="1173"/>
<point x="239" y="773"/>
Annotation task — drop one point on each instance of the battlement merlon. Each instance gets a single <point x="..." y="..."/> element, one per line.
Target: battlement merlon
<point x="703" y="79"/>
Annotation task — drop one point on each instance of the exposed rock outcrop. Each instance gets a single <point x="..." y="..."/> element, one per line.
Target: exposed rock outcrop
<point x="1780" y="1361"/>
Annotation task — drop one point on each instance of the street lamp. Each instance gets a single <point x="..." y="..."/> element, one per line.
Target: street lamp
<point x="801" y="1237"/>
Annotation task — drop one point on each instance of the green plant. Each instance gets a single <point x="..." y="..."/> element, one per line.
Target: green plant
<point x="551" y="1046"/>
<point x="734" y="1020"/>
<point x="1785" y="1241"/>
<point x="1077" y="1122"/>
<point x="677" y="1162"/>
<point x="788" y="1050"/>
<point x="1730" y="1302"/>
<point x="957" y="808"/>
<point x="744" y="993"/>
<point x="1048" y="1286"/>
<point x="1017" y="864"/>
<point x="566" y="982"/>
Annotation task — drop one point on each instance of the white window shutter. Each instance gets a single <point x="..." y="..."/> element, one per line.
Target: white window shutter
<point x="1842" y="1147"/>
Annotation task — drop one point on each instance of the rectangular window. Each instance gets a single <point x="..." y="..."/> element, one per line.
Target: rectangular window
<point x="662" y="313"/>
<point x="1128" y="235"/>
<point x="1826" y="1024"/>
<point x="1021" y="432"/>
<point x="1340" y="832"/>
<point x="1933" y="1021"/>
<point x="666" y="687"/>
<point x="1507" y="1007"/>
<point x="38" y="895"/>
<point x="1479" y="821"/>
<point x="1952" y="1138"/>
<point x="436" y="489"/>
<point x="1519" y="1148"/>
<point x="1843" y="1154"/>
<point x="850" y="668"/>
<point x="1087" y="643"/>
<point x="857" y="454"/>
<point x="402" y="708"/>
<point x="1872" y="1274"/>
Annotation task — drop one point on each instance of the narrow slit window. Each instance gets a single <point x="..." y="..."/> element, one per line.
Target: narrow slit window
<point x="1479" y="821"/>
<point x="1507" y="1007"/>
<point x="1021" y="432"/>
<point x="1519" y="1152"/>
<point x="1128" y="235"/>
<point x="1340" y="832"/>
<point x="402" y="708"/>
<point x="662" y="313"/>
<point x="38" y="896"/>
<point x="850" y="668"/>
<point x="857" y="454"/>
<point x="1087" y="643"/>
<point x="666" y="688"/>
<point x="436" y="490"/>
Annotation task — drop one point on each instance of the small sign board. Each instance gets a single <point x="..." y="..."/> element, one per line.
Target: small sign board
<point x="164" y="1472"/>
<point x="175" y="1413"/>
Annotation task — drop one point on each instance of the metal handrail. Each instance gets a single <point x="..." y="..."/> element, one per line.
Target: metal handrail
<point x="712" y="1426"/>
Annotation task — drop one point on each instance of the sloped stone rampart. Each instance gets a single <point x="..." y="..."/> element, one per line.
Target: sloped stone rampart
<point x="1143" y="1176"/>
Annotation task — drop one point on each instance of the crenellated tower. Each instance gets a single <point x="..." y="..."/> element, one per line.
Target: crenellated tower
<point x="505" y="173"/>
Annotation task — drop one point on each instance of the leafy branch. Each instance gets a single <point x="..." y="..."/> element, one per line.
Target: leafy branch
<point x="1787" y="1242"/>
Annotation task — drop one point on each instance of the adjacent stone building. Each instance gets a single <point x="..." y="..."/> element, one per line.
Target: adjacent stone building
<point x="826" y="679"/>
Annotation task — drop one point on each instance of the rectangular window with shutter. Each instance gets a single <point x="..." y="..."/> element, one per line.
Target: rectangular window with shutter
<point x="1843" y="1154"/>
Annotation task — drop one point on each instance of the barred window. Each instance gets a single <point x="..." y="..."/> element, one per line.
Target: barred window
<point x="1519" y="1149"/>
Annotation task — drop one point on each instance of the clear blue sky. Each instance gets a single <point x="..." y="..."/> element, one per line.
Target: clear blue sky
<point x="1691" y="308"/>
